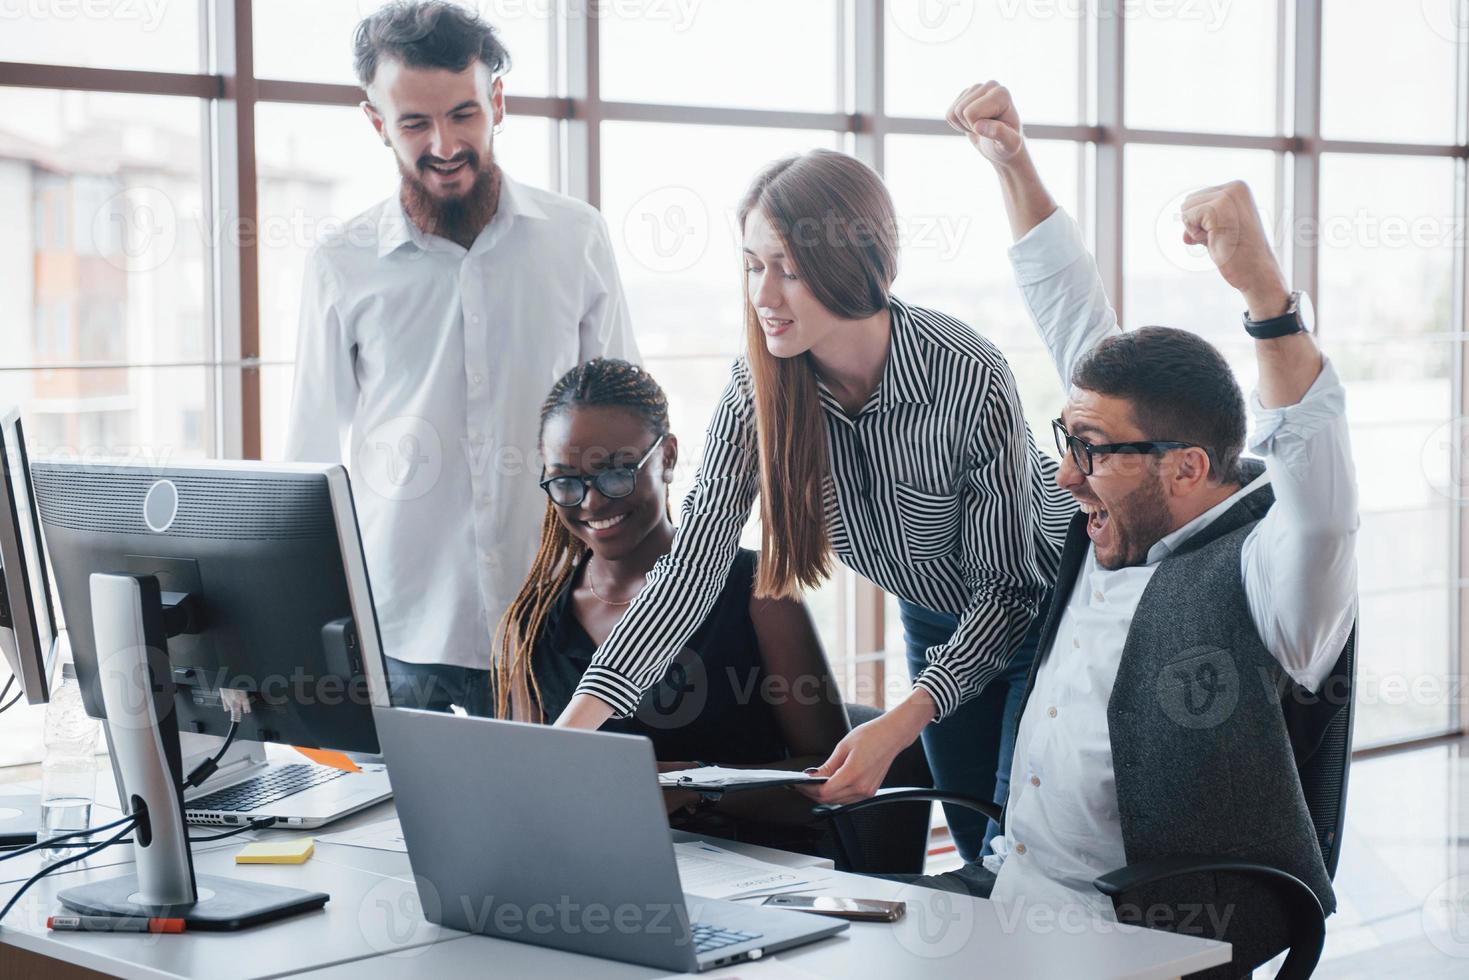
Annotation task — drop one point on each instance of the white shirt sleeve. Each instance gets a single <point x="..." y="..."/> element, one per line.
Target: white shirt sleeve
<point x="1299" y="563"/>
<point x="606" y="327"/>
<point x="324" y="395"/>
<point x="1063" y="290"/>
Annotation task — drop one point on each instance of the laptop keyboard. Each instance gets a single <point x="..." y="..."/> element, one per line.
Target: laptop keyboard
<point x="708" y="938"/>
<point x="263" y="790"/>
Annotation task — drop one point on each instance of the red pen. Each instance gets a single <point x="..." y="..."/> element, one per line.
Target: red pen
<point x="112" y="923"/>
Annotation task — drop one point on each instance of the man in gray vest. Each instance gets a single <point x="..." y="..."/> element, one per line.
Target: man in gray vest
<point x="1202" y="595"/>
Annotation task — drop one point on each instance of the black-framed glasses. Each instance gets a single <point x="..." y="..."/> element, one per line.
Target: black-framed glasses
<point x="613" y="482"/>
<point x="1083" y="453"/>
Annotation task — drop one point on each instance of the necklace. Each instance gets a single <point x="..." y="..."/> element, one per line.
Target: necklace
<point x="598" y="597"/>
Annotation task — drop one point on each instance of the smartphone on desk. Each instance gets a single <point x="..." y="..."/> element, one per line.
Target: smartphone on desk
<point x="856" y="909"/>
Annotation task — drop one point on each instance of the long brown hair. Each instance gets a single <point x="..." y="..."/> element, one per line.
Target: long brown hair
<point x="602" y="382"/>
<point x="837" y="223"/>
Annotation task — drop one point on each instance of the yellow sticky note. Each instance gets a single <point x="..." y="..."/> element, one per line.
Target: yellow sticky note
<point x="277" y="852"/>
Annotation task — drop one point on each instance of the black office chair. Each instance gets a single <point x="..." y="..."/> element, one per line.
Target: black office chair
<point x="891" y="840"/>
<point x="1323" y="770"/>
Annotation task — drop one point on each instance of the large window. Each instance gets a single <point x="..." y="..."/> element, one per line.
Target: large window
<point x="138" y="321"/>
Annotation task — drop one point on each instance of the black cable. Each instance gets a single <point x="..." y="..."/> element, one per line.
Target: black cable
<point x="51" y="868"/>
<point x="259" y="823"/>
<point x="206" y="768"/>
<point x="8" y="685"/>
<point x="52" y="841"/>
<point x="11" y="703"/>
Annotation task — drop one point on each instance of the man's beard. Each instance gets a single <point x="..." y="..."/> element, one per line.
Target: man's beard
<point x="459" y="219"/>
<point x="1145" y="521"/>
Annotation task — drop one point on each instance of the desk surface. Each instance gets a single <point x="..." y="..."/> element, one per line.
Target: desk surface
<point x="373" y="928"/>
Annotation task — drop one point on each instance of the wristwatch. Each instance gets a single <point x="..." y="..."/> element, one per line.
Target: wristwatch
<point x="1298" y="316"/>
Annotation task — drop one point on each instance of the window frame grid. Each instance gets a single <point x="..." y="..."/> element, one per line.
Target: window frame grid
<point x="229" y="92"/>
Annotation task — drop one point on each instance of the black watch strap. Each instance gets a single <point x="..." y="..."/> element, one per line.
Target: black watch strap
<point x="1284" y="325"/>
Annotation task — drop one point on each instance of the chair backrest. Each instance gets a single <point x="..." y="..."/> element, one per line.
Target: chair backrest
<point x="1324" y="773"/>
<point x="890" y="839"/>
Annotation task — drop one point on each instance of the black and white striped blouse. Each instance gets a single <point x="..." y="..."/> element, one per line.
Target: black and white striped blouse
<point x="937" y="493"/>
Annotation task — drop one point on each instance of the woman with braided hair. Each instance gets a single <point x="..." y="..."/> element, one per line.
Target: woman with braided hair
<point x="750" y="688"/>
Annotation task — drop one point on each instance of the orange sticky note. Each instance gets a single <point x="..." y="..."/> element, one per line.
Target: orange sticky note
<point x="326" y="757"/>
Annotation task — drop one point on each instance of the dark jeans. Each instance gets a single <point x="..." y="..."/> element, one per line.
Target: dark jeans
<point x="436" y="687"/>
<point x="969" y="752"/>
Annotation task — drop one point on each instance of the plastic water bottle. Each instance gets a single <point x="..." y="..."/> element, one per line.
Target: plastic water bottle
<point x="69" y="769"/>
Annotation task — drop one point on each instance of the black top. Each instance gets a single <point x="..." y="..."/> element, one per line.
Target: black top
<point x="710" y="706"/>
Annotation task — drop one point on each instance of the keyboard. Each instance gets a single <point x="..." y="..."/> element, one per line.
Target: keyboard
<point x="263" y="790"/>
<point x="708" y="938"/>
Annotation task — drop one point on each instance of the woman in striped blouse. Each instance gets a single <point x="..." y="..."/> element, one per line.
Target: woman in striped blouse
<point x="886" y="434"/>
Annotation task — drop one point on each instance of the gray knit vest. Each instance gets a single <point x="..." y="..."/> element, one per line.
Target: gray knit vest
<point x="1201" y="723"/>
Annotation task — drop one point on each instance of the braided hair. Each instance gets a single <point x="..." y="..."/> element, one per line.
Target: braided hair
<point x="604" y="382"/>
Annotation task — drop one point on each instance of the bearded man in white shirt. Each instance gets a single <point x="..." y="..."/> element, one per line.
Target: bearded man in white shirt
<point x="431" y="329"/>
<point x="1205" y="602"/>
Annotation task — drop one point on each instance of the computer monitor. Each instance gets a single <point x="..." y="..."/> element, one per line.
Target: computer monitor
<point x="185" y="589"/>
<point x="27" y="619"/>
<point x="260" y="571"/>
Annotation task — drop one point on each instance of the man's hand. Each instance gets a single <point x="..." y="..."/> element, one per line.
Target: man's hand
<point x="861" y="760"/>
<point x="986" y="114"/>
<point x="1225" y="219"/>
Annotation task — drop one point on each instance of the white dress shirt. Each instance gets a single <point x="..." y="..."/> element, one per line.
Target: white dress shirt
<point x="1062" y="824"/>
<point x="424" y="365"/>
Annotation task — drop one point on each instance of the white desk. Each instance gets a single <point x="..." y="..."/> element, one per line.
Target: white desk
<point x="372" y="928"/>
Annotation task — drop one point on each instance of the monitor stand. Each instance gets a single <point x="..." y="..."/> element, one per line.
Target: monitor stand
<point x="138" y="692"/>
<point x="20" y="815"/>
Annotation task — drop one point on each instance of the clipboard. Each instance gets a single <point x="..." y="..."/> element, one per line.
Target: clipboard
<point x="718" y="780"/>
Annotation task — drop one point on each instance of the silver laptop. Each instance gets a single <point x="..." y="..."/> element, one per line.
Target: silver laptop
<point x="559" y="838"/>
<point x="297" y="793"/>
